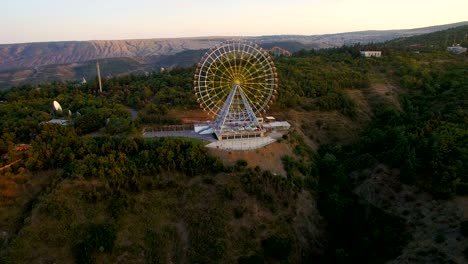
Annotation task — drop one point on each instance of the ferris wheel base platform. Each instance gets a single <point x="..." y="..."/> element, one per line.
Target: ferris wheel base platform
<point x="242" y="144"/>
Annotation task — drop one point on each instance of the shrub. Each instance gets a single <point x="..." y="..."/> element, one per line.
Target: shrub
<point x="465" y="253"/>
<point x="118" y="204"/>
<point x="209" y="181"/>
<point x="277" y="247"/>
<point x="239" y="212"/>
<point x="464" y="228"/>
<point x="228" y="193"/>
<point x="240" y="165"/>
<point x="96" y="237"/>
<point x="157" y="248"/>
<point x="254" y="259"/>
<point x="439" y="238"/>
<point x="462" y="188"/>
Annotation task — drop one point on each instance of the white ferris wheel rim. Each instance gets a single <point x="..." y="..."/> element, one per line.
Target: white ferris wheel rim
<point x="235" y="63"/>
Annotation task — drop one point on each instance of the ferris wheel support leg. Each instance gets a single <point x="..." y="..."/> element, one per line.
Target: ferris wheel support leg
<point x="225" y="110"/>
<point x="251" y="113"/>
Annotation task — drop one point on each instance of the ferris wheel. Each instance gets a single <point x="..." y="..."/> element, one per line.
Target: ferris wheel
<point x="235" y="65"/>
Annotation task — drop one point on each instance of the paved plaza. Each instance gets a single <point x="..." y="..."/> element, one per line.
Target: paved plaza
<point x="228" y="144"/>
<point x="241" y="144"/>
<point x="181" y="133"/>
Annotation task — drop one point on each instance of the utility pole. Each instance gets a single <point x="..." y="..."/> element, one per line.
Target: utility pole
<point x="99" y="76"/>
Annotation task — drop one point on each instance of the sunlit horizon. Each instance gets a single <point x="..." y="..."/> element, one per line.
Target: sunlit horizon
<point x="51" y="20"/>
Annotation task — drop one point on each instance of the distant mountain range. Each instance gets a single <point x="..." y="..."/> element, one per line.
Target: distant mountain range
<point x="46" y="61"/>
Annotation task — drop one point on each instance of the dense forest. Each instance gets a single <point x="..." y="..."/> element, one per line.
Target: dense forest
<point x="95" y="191"/>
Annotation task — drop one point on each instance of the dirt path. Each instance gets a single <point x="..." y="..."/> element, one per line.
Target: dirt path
<point x="182" y="232"/>
<point x="9" y="165"/>
<point x="133" y="112"/>
<point x="190" y="116"/>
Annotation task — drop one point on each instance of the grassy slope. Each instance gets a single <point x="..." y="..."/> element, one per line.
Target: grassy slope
<point x="204" y="219"/>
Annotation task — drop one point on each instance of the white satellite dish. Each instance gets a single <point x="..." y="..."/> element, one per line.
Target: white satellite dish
<point x="57" y="107"/>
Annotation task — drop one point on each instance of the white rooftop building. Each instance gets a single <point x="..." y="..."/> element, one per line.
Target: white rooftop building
<point x="62" y="122"/>
<point x="370" y="53"/>
<point x="457" y="49"/>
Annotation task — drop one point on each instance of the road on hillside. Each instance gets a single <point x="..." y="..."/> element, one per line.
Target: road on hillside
<point x="182" y="133"/>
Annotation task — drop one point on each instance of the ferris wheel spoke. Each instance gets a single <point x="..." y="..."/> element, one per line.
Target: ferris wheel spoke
<point x="234" y="54"/>
<point x="240" y="52"/>
<point x="212" y="77"/>
<point x="254" y="63"/>
<point x="264" y="93"/>
<point x="249" y="99"/>
<point x="230" y="54"/>
<point x="229" y="70"/>
<point x="250" y="72"/>
<point x="210" y="105"/>
<point x="221" y="83"/>
<point x="259" y="71"/>
<point x="255" y="78"/>
<point x="253" y="84"/>
<point x="253" y="97"/>
<point x="226" y="54"/>
<point x="244" y="58"/>
<point x="217" y="89"/>
<point x="257" y="61"/>
<point x="254" y="91"/>
<point x="216" y="71"/>
<point x="220" y="93"/>
<point x="210" y="58"/>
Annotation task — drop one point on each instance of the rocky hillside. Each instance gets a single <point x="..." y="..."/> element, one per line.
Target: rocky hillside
<point x="30" y="55"/>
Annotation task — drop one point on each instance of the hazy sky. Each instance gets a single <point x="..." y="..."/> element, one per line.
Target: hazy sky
<point x="55" y="20"/>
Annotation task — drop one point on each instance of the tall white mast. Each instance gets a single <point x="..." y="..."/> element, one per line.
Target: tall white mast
<point x="99" y="76"/>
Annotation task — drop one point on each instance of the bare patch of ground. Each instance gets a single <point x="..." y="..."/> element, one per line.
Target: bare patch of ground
<point x="462" y="202"/>
<point x="190" y="116"/>
<point x="386" y="92"/>
<point x="267" y="158"/>
<point x="183" y="234"/>
<point x="325" y="127"/>
<point x="65" y="72"/>
<point x="363" y="108"/>
<point x="333" y="127"/>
